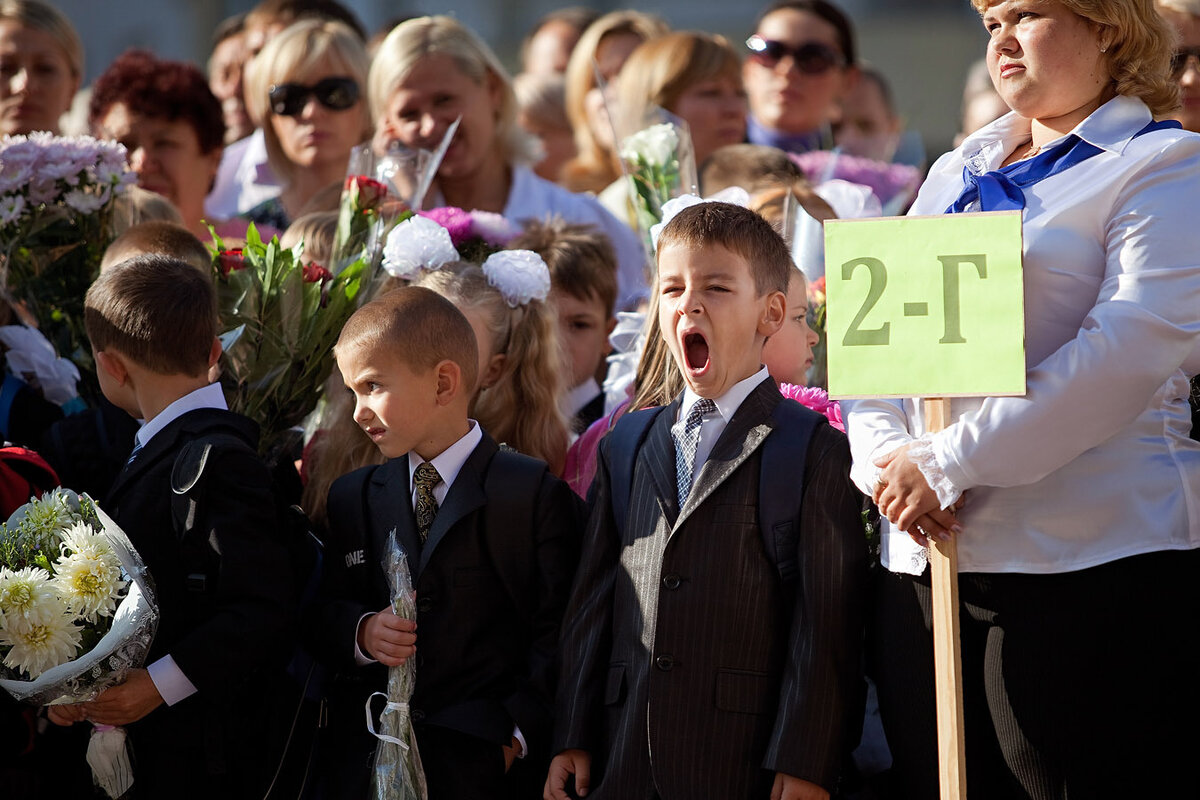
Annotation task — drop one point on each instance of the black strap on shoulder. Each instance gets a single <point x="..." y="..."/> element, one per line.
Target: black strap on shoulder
<point x="624" y="442"/>
<point x="512" y="487"/>
<point x="188" y="470"/>
<point x="780" y="477"/>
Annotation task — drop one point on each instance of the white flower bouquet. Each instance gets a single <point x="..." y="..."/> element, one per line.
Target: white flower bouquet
<point x="398" y="773"/>
<point x="660" y="163"/>
<point x="56" y="203"/>
<point x="77" y="610"/>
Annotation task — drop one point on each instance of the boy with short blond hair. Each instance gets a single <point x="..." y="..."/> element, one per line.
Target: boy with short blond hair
<point x="224" y="586"/>
<point x="583" y="290"/>
<point x="703" y="654"/>
<point x="491" y="540"/>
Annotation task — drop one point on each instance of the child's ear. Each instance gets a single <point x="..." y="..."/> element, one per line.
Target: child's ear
<point x="449" y="382"/>
<point x="773" y="312"/>
<point x="113" y="365"/>
<point x="214" y="353"/>
<point x="491" y="374"/>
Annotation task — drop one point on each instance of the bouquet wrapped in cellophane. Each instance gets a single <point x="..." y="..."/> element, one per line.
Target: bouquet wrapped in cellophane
<point x="281" y="318"/>
<point x="56" y="209"/>
<point x="398" y="774"/>
<point x="381" y="191"/>
<point x="77" y="612"/>
<point x="660" y="163"/>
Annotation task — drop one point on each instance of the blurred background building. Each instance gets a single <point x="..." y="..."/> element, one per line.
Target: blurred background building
<point x="923" y="46"/>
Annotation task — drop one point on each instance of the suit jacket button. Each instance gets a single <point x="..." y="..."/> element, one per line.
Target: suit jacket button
<point x="417" y="715"/>
<point x="672" y="581"/>
<point x="425" y="604"/>
<point x="665" y="663"/>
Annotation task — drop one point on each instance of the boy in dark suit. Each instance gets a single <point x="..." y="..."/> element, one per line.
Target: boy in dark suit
<point x="691" y="666"/>
<point x="194" y="715"/>
<point x="491" y="539"/>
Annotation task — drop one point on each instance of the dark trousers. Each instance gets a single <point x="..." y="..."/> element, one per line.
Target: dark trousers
<point x="1076" y="685"/>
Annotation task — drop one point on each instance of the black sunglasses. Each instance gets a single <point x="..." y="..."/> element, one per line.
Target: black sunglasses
<point x="812" y="58"/>
<point x="336" y="94"/>
<point x="1179" y="60"/>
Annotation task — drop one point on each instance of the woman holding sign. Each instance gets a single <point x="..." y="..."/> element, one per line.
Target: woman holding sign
<point x="1076" y="508"/>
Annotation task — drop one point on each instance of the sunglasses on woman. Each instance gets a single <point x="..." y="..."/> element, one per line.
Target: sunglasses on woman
<point x="336" y="94"/>
<point x="811" y="58"/>
<point x="1179" y="60"/>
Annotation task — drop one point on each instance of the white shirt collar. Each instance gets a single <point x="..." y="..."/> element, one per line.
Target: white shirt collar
<point x="728" y="403"/>
<point x="580" y="396"/>
<point x="209" y="396"/>
<point x="449" y="462"/>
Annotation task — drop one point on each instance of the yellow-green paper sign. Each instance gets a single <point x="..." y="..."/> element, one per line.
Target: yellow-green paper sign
<point x="925" y="306"/>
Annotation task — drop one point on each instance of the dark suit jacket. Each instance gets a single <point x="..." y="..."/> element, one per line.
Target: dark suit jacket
<point x="225" y="596"/>
<point x="483" y="663"/>
<point x="689" y="668"/>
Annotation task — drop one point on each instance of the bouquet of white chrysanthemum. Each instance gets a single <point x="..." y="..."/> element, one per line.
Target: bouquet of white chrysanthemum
<point x="76" y="608"/>
<point x="660" y="163"/>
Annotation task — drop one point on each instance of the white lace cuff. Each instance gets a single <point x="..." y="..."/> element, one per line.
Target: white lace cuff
<point x="922" y="454"/>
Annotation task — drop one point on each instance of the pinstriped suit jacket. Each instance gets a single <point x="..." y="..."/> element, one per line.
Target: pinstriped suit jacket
<point x="689" y="668"/>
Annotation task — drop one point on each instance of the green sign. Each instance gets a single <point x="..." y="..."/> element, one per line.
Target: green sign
<point x="925" y="306"/>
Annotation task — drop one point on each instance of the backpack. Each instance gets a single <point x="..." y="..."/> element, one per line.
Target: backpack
<point x="23" y="474"/>
<point x="783" y="457"/>
<point x="301" y="714"/>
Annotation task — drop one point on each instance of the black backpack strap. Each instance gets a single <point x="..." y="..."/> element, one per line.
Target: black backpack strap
<point x="624" y="442"/>
<point x="512" y="486"/>
<point x="188" y="472"/>
<point x="783" y="460"/>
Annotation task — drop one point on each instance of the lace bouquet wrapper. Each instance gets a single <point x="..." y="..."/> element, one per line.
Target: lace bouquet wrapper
<point x="659" y="163"/>
<point x="380" y="191"/>
<point x="77" y="607"/>
<point x="398" y="774"/>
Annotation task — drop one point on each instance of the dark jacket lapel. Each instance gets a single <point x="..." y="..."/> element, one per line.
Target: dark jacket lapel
<point x="658" y="454"/>
<point x="743" y="435"/>
<point x="391" y="510"/>
<point x="465" y="495"/>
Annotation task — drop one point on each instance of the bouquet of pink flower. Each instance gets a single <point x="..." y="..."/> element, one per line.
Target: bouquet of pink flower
<point x="894" y="184"/>
<point x="441" y="235"/>
<point x="56" y="202"/>
<point x="818" y="400"/>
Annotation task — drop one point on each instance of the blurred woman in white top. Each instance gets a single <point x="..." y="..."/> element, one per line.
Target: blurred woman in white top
<point x="1080" y="502"/>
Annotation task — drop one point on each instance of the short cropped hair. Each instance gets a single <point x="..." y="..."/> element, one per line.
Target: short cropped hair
<point x="1139" y="43"/>
<point x="160" y="89"/>
<point x="740" y="231"/>
<point x="156" y="310"/>
<point x="418" y="326"/>
<point x="753" y="167"/>
<point x="160" y="238"/>
<point x="581" y="259"/>
<point x="825" y="11"/>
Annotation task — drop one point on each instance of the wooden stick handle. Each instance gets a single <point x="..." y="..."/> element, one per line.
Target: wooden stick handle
<point x="947" y="656"/>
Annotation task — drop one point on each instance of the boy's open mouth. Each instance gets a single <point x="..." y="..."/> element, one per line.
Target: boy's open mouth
<point x="695" y="351"/>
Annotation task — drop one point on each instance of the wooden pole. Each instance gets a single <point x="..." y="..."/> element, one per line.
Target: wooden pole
<point x="947" y="656"/>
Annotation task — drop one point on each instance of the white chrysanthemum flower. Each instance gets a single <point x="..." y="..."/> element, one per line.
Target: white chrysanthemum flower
<point x="519" y="275"/>
<point x="83" y="202"/>
<point x="45" y="638"/>
<point x="11" y="207"/>
<point x="654" y="145"/>
<point x="23" y="591"/>
<point x="54" y="512"/>
<point x="417" y="244"/>
<point x="88" y="576"/>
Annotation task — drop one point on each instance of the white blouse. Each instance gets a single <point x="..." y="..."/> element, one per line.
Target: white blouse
<point x="1094" y="463"/>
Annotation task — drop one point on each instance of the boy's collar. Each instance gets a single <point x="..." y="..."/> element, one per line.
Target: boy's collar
<point x="210" y="396"/>
<point x="449" y="462"/>
<point x="728" y="403"/>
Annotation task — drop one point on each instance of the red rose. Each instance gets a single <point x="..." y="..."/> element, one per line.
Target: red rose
<point x="314" y="272"/>
<point x="229" y="261"/>
<point x="368" y="191"/>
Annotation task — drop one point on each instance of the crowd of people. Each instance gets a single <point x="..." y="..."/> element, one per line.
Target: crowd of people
<point x="641" y="570"/>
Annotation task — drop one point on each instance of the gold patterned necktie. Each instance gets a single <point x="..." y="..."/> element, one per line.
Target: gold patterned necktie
<point x="424" y="479"/>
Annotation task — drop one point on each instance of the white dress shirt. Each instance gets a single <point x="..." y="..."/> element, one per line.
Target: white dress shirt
<point x="244" y="179"/>
<point x="1094" y="463"/>
<point x="715" y="421"/>
<point x="168" y="678"/>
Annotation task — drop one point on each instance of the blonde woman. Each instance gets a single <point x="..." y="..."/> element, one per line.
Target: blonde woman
<point x="602" y="49"/>
<point x="431" y="71"/>
<point x="305" y="89"/>
<point x="1079" y="536"/>
<point x="41" y="64"/>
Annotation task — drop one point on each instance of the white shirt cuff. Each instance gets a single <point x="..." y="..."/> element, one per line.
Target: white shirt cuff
<point x="524" y="748"/>
<point x="170" y="681"/>
<point x="923" y="454"/>
<point x="361" y="658"/>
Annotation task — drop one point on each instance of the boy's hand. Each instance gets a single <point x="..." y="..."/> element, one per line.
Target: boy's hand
<point x="125" y="703"/>
<point x="510" y="754"/>
<point x="564" y="765"/>
<point x="788" y="788"/>
<point x="388" y="639"/>
<point x="67" y="714"/>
